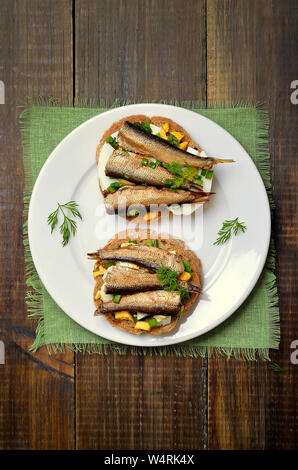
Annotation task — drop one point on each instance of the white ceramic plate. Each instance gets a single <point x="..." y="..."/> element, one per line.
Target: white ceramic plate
<point x="230" y="271"/>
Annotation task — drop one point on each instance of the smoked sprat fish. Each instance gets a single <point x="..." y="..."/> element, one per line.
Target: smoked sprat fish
<point x="125" y="279"/>
<point x="159" y="301"/>
<point x="129" y="165"/>
<point x="148" y="256"/>
<point x="134" y="139"/>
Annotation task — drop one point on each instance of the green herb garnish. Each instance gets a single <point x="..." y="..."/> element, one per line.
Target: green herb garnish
<point x="209" y="174"/>
<point x="174" y="167"/>
<point x="152" y="164"/>
<point x="116" y="298"/>
<point x="112" y="141"/>
<point x="153" y="322"/>
<point x="111" y="263"/>
<point x="229" y="227"/>
<point x="187" y="266"/>
<point x="68" y="225"/>
<point x="145" y="161"/>
<point x="155" y="243"/>
<point x="169" y="281"/>
<point x="149" y="242"/>
<point x="198" y="180"/>
<point x="175" y="183"/>
<point x="173" y="140"/>
<point x="178" y="182"/>
<point x="114" y="186"/>
<point x="132" y="241"/>
<point x="144" y="126"/>
<point x="126" y="176"/>
<point x="203" y="172"/>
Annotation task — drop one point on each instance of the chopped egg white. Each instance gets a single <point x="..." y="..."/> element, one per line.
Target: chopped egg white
<point x="163" y="320"/>
<point x="141" y="315"/>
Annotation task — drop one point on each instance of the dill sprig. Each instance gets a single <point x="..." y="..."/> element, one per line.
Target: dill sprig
<point x="68" y="226"/>
<point x="229" y="227"/>
<point x="169" y="281"/>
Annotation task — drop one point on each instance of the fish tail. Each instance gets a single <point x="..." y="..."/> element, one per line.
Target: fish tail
<point x="223" y="160"/>
<point x="93" y="255"/>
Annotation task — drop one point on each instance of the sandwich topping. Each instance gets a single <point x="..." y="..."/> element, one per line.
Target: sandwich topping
<point x="147" y="164"/>
<point x="142" y="283"/>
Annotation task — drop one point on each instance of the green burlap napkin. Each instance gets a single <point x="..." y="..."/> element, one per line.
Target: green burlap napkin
<point x="248" y="333"/>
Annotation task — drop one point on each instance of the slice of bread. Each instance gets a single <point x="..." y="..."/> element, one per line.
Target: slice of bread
<point x="164" y="243"/>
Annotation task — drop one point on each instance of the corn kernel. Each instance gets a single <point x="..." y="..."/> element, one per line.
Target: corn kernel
<point x="150" y="216"/>
<point x="142" y="325"/>
<point x="129" y="183"/>
<point x="163" y="135"/>
<point x="178" y="135"/>
<point x="134" y="266"/>
<point x="102" y="270"/>
<point x="123" y="315"/>
<point x="98" y="296"/>
<point x="183" y="145"/>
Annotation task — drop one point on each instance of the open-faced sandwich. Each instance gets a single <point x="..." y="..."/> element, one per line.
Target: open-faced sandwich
<point x="145" y="285"/>
<point x="146" y="161"/>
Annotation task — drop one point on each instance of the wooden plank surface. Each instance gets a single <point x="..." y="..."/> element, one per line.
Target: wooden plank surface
<point x="153" y="402"/>
<point x="251" y="52"/>
<point x="146" y="50"/>
<point x="37" y="391"/>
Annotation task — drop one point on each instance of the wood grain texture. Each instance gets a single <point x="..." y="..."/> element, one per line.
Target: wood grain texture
<point x="37" y="391"/>
<point x="136" y="402"/>
<point x="153" y="402"/>
<point x="251" y="55"/>
<point x="277" y="58"/>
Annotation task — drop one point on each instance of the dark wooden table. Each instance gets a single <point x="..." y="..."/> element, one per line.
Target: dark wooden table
<point x="209" y="50"/>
